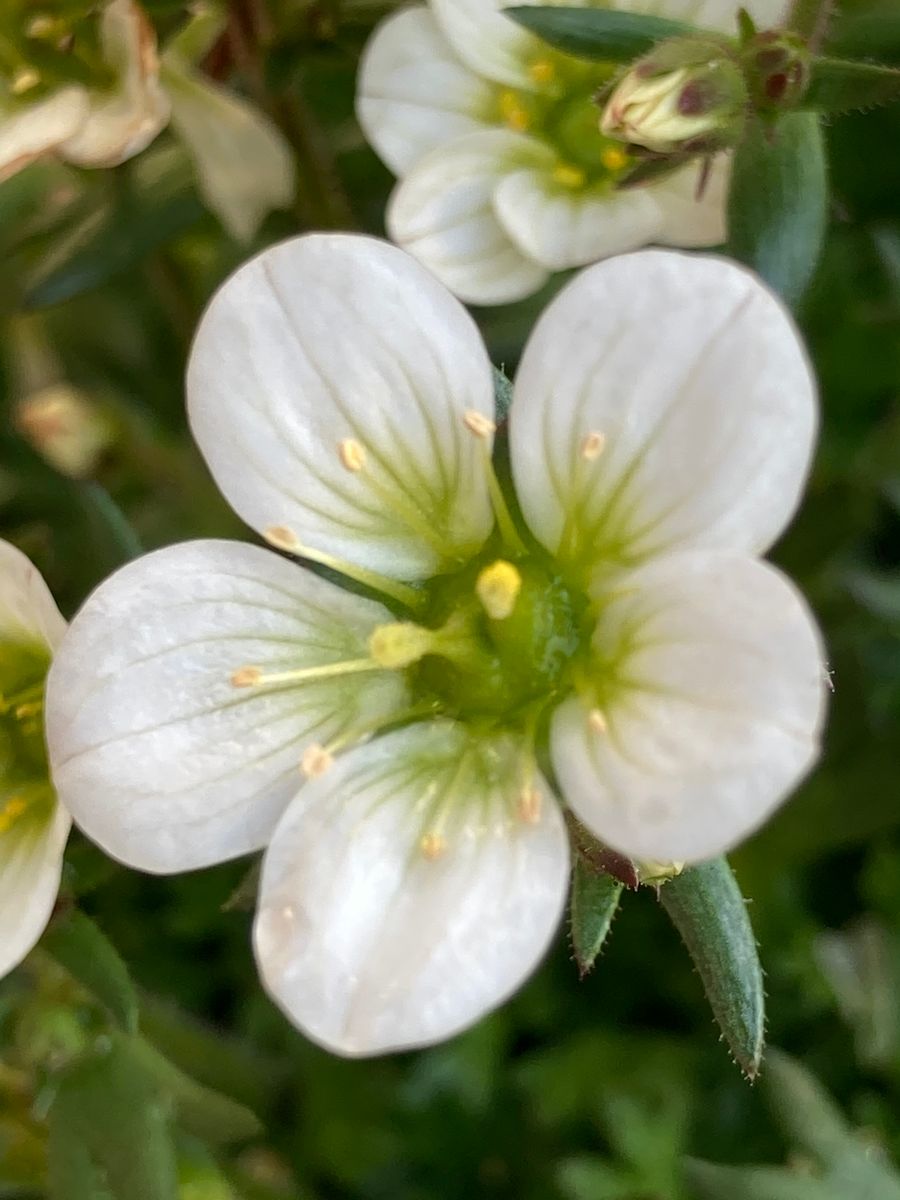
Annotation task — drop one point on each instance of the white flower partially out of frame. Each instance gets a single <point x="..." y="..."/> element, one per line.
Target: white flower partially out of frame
<point x="33" y="826"/>
<point x="660" y="433"/>
<point x="504" y="173"/>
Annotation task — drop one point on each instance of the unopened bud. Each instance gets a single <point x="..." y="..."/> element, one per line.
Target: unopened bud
<point x="66" y="428"/>
<point x="686" y="96"/>
<point x="777" y="66"/>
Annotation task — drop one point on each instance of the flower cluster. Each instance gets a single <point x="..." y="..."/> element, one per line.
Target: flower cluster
<point x="400" y="718"/>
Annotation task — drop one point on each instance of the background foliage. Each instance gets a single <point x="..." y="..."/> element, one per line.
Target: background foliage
<point x="576" y="1090"/>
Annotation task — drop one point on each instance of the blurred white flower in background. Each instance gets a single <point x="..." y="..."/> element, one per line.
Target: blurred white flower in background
<point x="623" y="651"/>
<point x="504" y="173"/>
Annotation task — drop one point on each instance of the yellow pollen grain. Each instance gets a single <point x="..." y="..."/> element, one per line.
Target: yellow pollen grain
<point x="569" y="176"/>
<point x="316" y="761"/>
<point x="24" y="80"/>
<point x="282" y="538"/>
<point x="614" y="158"/>
<point x="513" y="112"/>
<point x="11" y="811"/>
<point x="593" y="445"/>
<point x="528" y="806"/>
<point x="433" y="846"/>
<point x="478" y="423"/>
<point x="597" y="723"/>
<point x="246" y="677"/>
<point x="497" y="588"/>
<point x="352" y="454"/>
<point x="542" y="71"/>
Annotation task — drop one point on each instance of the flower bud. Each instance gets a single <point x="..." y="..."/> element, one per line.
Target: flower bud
<point x="66" y="428"/>
<point x="777" y="66"/>
<point x="686" y="96"/>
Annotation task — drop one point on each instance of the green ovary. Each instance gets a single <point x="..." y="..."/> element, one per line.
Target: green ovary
<point x="563" y="114"/>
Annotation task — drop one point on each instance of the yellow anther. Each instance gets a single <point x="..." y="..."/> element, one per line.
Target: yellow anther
<point x="400" y="644"/>
<point x="11" y="811"/>
<point x="433" y="846"/>
<point x="478" y="423"/>
<point x="32" y="709"/>
<point x="542" y="70"/>
<point x="245" y="677"/>
<point x="282" y="538"/>
<point x="24" y="80"/>
<point x="352" y="454"/>
<point x="316" y="761"/>
<point x="41" y="26"/>
<point x="593" y="445"/>
<point x="569" y="176"/>
<point x="514" y="112"/>
<point x="528" y="805"/>
<point x="498" y="587"/>
<point x="597" y="723"/>
<point x="614" y="158"/>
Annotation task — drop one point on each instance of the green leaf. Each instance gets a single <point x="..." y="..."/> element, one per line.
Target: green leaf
<point x="707" y="909"/>
<point x="595" y="900"/>
<point x="711" y="1182"/>
<point x="840" y="85"/>
<point x="599" y="34"/>
<point x="777" y="204"/>
<point x="108" y="1122"/>
<point x="84" y="950"/>
<point x="118" y="235"/>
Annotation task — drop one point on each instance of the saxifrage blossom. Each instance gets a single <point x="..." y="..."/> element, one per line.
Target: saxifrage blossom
<point x="33" y="825"/>
<point x="505" y="175"/>
<point x="598" y="634"/>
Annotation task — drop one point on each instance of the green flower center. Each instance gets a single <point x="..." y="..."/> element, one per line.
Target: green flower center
<point x="562" y="113"/>
<point x="24" y="782"/>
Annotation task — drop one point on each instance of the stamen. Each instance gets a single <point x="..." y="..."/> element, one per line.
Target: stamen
<point x="542" y="71"/>
<point x="498" y="587"/>
<point x="593" y="445"/>
<point x="614" y="158"/>
<point x="528" y="805"/>
<point x="514" y="112"/>
<point x="315" y="761"/>
<point x="400" y="644"/>
<point x="11" y="811"/>
<point x="352" y="454"/>
<point x="33" y="709"/>
<point x="251" y="676"/>
<point x="283" y="538"/>
<point x="478" y="423"/>
<point x="433" y="846"/>
<point x="597" y="723"/>
<point x="569" y="176"/>
<point x="41" y="26"/>
<point x="24" y="80"/>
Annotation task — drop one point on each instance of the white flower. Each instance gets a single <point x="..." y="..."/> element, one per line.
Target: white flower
<point x="244" y="168"/>
<point x="33" y="826"/>
<point x="660" y="433"/>
<point x="504" y="173"/>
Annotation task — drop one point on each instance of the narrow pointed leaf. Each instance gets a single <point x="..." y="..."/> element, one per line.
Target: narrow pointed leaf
<point x="706" y="907"/>
<point x="595" y="901"/>
<point x="840" y="85"/>
<point x="598" y="34"/>
<point x="708" y="1181"/>
<point x="82" y="948"/>
<point x="777" y="204"/>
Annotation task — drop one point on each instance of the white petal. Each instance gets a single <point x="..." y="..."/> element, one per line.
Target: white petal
<point x="695" y="378"/>
<point x="414" y="93"/>
<point x="330" y="340"/>
<point x="123" y="121"/>
<point x="28" y="133"/>
<point x="711" y="677"/>
<point x="443" y="213"/>
<point x="28" y="612"/>
<point x="685" y="219"/>
<point x="244" y="167"/>
<point x="157" y="756"/>
<point x="370" y="945"/>
<point x="710" y="14"/>
<point x="31" y="855"/>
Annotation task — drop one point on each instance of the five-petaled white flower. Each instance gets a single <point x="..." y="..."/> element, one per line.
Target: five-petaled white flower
<point x="617" y="647"/>
<point x="504" y="173"/>
<point x="33" y="826"/>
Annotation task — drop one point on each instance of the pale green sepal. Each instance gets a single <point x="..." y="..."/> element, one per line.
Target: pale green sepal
<point x="707" y="909"/>
<point x="595" y="902"/>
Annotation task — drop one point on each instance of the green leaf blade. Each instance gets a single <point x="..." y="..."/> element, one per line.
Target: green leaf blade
<point x="777" y="203"/>
<point x="595" y="901"/>
<point x="80" y="946"/>
<point x="706" y="907"/>
<point x="709" y="1181"/>
<point x="598" y="34"/>
<point x="840" y="85"/>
